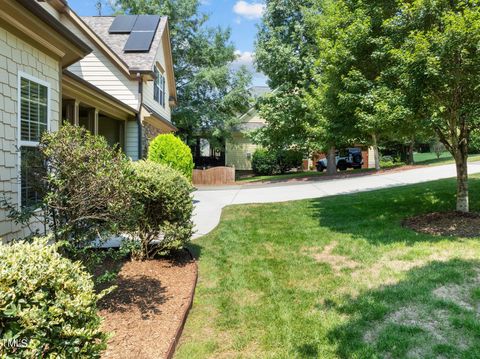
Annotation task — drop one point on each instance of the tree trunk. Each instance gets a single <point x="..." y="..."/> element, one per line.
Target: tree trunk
<point x="331" y="161"/>
<point x="461" y="157"/>
<point x="410" y="160"/>
<point x="376" y="156"/>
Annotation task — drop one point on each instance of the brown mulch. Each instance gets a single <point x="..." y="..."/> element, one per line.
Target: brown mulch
<point x="146" y="311"/>
<point x="456" y="224"/>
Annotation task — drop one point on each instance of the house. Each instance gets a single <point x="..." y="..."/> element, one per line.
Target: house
<point x="112" y="75"/>
<point x="239" y="148"/>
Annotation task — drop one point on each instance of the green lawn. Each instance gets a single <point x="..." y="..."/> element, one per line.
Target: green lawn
<point x="430" y="158"/>
<point x="422" y="159"/>
<point x="337" y="277"/>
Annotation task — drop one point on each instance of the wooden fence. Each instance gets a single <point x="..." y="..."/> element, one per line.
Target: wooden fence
<point x="214" y="176"/>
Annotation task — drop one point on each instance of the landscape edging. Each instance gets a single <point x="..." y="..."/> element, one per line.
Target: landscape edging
<point x="178" y="333"/>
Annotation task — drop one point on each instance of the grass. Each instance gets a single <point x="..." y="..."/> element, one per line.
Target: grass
<point x="337" y="277"/>
<point x="421" y="159"/>
<point x="430" y="158"/>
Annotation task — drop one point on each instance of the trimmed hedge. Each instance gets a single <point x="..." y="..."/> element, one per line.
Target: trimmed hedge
<point x="169" y="150"/>
<point x="269" y="162"/>
<point x="47" y="305"/>
<point x="264" y="163"/>
<point x="164" y="196"/>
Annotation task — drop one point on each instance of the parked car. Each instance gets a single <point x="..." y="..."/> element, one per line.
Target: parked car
<point x="352" y="158"/>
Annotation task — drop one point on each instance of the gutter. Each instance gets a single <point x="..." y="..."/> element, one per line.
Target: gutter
<point x="56" y="25"/>
<point x="139" y="120"/>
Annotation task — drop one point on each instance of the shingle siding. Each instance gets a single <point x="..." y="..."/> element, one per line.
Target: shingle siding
<point x="16" y="55"/>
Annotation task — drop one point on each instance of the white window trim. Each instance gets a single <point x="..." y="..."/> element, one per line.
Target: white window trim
<point x="20" y="142"/>
<point x="161" y="73"/>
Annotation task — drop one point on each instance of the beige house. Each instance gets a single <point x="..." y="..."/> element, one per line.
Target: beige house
<point x="114" y="76"/>
<point x="239" y="148"/>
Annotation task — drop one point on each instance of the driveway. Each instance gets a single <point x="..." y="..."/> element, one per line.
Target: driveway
<point x="210" y="201"/>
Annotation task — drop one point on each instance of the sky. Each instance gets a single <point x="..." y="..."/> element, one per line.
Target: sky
<point x="241" y="16"/>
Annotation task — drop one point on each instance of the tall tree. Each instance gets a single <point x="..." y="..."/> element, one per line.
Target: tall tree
<point x="210" y="94"/>
<point x="283" y="51"/>
<point x="440" y="61"/>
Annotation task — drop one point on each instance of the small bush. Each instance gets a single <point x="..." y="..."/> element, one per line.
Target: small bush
<point x="47" y="305"/>
<point x="288" y="159"/>
<point x="264" y="163"/>
<point x="268" y="162"/>
<point x="86" y="185"/>
<point x="164" y="195"/>
<point x="169" y="150"/>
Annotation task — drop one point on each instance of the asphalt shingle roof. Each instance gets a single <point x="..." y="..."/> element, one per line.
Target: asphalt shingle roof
<point x="142" y="61"/>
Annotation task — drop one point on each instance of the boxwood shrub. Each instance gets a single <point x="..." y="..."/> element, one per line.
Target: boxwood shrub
<point x="47" y="305"/>
<point x="165" y="220"/>
<point x="169" y="150"/>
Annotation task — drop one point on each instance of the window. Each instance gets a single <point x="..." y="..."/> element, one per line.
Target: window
<point x="159" y="87"/>
<point x="33" y="121"/>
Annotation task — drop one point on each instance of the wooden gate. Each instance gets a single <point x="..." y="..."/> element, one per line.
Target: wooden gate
<point x="214" y="176"/>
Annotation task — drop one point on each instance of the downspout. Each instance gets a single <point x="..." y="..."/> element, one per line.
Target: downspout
<point x="139" y="120"/>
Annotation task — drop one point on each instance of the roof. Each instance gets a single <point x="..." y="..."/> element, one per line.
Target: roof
<point x="141" y="61"/>
<point x="259" y="91"/>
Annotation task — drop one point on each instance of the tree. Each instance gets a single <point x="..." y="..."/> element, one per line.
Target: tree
<point x="440" y="60"/>
<point x="210" y="94"/>
<point x="283" y="51"/>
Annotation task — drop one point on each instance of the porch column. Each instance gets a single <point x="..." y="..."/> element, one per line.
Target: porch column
<point x="93" y="119"/>
<point x="72" y="112"/>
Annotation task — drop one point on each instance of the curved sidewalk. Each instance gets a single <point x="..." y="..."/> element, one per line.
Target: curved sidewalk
<point x="209" y="202"/>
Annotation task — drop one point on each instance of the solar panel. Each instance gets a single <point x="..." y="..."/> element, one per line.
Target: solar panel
<point x="139" y="41"/>
<point x="146" y="23"/>
<point x="123" y="24"/>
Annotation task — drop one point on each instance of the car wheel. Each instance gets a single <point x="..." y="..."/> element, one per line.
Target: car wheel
<point x="342" y="166"/>
<point x="320" y="168"/>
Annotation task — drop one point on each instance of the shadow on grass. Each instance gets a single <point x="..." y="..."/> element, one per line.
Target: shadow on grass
<point x="377" y="216"/>
<point x="434" y="312"/>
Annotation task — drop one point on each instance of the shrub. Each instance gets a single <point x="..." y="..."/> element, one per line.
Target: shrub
<point x="169" y="150"/>
<point x="47" y="305"/>
<point x="268" y="162"/>
<point x="164" y="195"/>
<point x="288" y="159"/>
<point x="264" y="163"/>
<point x="86" y="185"/>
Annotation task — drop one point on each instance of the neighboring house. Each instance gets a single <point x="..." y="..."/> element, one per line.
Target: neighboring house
<point x="239" y="148"/>
<point x="117" y="82"/>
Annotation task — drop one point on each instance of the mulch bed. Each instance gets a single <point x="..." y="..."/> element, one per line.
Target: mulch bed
<point x="456" y="224"/>
<point x="146" y="312"/>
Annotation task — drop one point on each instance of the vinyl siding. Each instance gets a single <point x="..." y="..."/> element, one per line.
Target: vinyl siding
<point x="236" y="152"/>
<point x="148" y="88"/>
<point x="100" y="71"/>
<point x="131" y="141"/>
<point x="16" y="55"/>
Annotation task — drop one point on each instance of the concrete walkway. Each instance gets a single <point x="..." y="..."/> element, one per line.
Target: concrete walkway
<point x="209" y="202"/>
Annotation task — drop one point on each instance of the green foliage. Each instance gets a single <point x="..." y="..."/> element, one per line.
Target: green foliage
<point x="268" y="162"/>
<point x="474" y="144"/>
<point x="47" y="305"/>
<point x="169" y="150"/>
<point x="86" y="185"/>
<point x="284" y="51"/>
<point x="165" y="221"/>
<point x="211" y="93"/>
<point x="264" y="162"/>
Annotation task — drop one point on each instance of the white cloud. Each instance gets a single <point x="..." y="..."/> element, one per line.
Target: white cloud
<point x="249" y="10"/>
<point x="246" y="58"/>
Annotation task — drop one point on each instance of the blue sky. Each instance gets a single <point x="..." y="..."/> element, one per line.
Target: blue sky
<point x="242" y="16"/>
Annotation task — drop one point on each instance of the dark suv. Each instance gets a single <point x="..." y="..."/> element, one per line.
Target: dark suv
<point x="352" y="158"/>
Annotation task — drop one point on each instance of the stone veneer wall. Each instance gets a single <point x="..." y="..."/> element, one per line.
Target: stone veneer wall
<point x="17" y="55"/>
<point x="149" y="133"/>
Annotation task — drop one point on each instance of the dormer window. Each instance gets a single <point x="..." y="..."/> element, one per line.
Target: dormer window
<point x="159" y="87"/>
